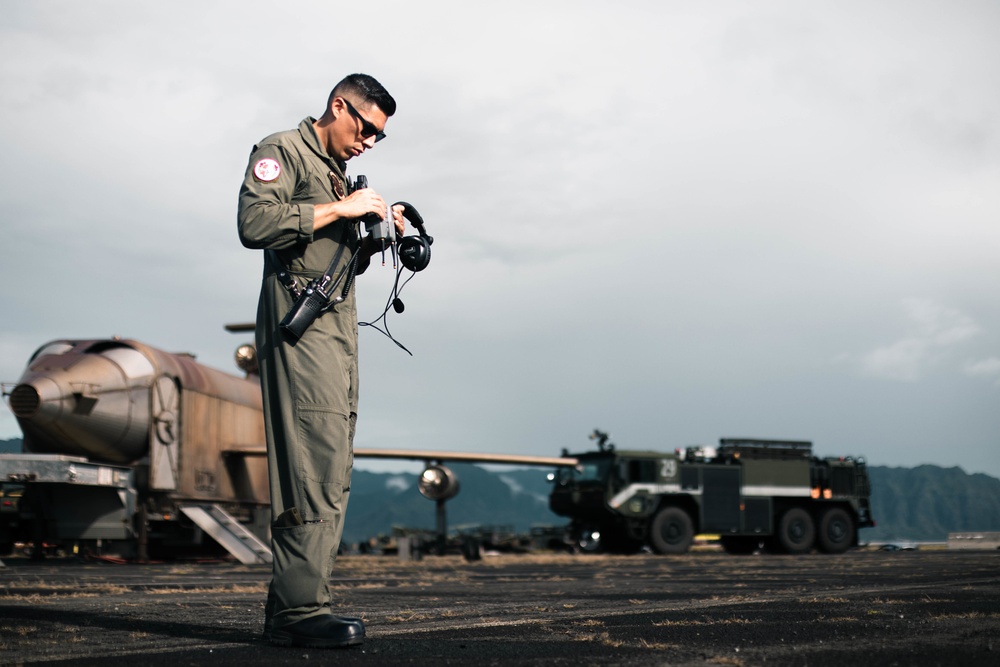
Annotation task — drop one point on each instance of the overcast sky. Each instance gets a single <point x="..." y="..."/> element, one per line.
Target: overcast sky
<point x="673" y="221"/>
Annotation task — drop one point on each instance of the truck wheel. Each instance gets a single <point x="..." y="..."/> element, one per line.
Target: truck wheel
<point x="796" y="532"/>
<point x="672" y="531"/>
<point x="836" y="531"/>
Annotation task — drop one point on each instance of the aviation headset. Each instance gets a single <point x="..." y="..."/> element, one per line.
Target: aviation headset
<point x="414" y="251"/>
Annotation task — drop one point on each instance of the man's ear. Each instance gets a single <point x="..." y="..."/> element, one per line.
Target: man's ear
<point x="337" y="107"/>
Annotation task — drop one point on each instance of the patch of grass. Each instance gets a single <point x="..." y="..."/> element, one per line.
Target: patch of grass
<point x="369" y="585"/>
<point x="407" y="616"/>
<point x="735" y="620"/>
<point x="248" y="588"/>
<point x="670" y="623"/>
<point x="539" y="609"/>
<point x="39" y="591"/>
<point x="33" y="598"/>
<point x="731" y="598"/>
<point x="928" y="598"/>
<point x="726" y="660"/>
<point x="606" y="639"/>
<point x="176" y="591"/>
<point x="732" y="620"/>
<point x="975" y="615"/>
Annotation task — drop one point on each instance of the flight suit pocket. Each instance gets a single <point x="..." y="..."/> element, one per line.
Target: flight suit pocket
<point x="326" y="446"/>
<point x="303" y="559"/>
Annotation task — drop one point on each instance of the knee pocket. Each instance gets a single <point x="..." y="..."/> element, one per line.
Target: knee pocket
<point x="326" y="455"/>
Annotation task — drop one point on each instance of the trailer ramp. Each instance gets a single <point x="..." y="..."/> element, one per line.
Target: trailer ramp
<point x="230" y="533"/>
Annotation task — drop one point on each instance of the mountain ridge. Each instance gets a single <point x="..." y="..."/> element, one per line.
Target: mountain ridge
<point x="922" y="503"/>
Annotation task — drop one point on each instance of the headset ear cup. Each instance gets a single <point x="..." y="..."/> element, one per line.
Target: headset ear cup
<point x="415" y="253"/>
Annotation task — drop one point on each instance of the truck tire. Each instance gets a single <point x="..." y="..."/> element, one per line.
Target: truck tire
<point x="672" y="531"/>
<point x="796" y="531"/>
<point x="836" y="531"/>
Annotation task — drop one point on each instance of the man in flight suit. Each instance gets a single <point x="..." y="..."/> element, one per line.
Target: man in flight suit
<point x="296" y="204"/>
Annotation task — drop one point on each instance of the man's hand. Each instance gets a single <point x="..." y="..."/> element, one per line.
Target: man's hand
<point x="359" y="204"/>
<point x="397" y="217"/>
<point x="362" y="202"/>
<point x="369" y="248"/>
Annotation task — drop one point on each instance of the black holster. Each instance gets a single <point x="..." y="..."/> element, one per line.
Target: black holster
<point x="307" y="308"/>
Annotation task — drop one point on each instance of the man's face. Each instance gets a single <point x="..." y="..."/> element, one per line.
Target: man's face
<point x="355" y="129"/>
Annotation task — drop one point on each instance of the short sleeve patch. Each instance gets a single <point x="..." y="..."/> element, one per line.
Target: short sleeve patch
<point x="267" y="170"/>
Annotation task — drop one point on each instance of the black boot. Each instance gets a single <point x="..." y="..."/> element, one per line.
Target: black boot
<point x="352" y="620"/>
<point x="322" y="631"/>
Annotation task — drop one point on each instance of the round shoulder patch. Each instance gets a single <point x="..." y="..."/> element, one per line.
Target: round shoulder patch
<point x="267" y="170"/>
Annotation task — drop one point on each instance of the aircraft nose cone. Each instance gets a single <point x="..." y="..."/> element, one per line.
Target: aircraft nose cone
<point x="27" y="398"/>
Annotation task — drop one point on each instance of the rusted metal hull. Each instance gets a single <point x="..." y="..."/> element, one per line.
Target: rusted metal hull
<point x="189" y="431"/>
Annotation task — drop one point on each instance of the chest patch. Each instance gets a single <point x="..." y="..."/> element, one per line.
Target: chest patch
<point x="267" y="170"/>
<point x="338" y="187"/>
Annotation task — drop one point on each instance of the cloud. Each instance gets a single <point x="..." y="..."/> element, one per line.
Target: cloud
<point x="902" y="360"/>
<point x="985" y="368"/>
<point x="936" y="329"/>
<point x="939" y="325"/>
<point x="657" y="218"/>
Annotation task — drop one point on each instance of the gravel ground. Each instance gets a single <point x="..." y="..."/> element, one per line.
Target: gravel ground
<point x="862" y="608"/>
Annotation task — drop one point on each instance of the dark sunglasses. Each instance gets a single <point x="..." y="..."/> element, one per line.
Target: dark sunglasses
<point x="367" y="129"/>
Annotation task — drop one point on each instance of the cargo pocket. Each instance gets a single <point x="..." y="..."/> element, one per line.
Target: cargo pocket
<point x="303" y="561"/>
<point x="324" y="463"/>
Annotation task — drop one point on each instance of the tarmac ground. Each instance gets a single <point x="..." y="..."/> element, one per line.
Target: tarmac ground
<point x="861" y="608"/>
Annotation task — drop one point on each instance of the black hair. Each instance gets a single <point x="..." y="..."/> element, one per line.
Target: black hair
<point x="367" y="90"/>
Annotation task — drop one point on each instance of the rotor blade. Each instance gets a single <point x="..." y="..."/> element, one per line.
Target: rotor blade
<point x="467" y="457"/>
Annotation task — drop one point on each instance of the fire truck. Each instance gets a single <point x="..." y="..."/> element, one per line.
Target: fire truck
<point x="754" y="494"/>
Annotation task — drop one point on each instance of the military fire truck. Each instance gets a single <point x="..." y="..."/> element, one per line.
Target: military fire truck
<point x="754" y="494"/>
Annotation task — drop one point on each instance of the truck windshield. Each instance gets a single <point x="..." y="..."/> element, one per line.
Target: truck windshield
<point x="594" y="471"/>
<point x="587" y="470"/>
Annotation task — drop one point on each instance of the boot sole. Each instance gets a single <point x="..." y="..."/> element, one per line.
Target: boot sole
<point x="279" y="638"/>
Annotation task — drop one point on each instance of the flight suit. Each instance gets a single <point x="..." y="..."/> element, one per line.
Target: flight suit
<point x="310" y="388"/>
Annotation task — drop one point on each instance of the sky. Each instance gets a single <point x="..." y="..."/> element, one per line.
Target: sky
<point x="672" y="221"/>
